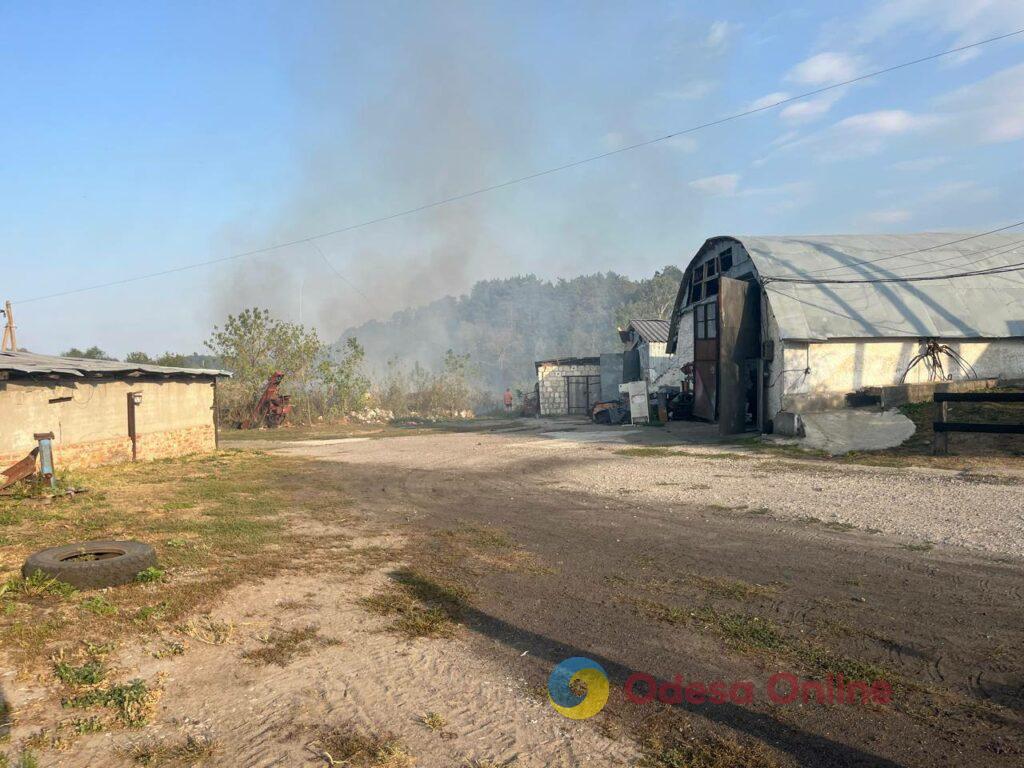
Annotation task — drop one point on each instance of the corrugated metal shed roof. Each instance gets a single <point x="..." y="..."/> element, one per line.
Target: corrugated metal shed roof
<point x="30" y="363"/>
<point x="983" y="306"/>
<point x="648" y="330"/>
<point x="569" y="361"/>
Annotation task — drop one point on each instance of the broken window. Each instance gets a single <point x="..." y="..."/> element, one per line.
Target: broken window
<point x="725" y="259"/>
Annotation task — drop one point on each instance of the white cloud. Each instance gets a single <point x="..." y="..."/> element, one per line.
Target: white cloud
<point x="723" y="184"/>
<point x="890" y="216"/>
<point x="826" y="68"/>
<point x="768" y="99"/>
<point x="805" y="111"/>
<point x="685" y="144"/>
<point x="696" y="89"/>
<point x="718" y="33"/>
<point x="989" y="110"/>
<point x="967" y="20"/>
<point x="883" y="122"/>
<point x="920" y="164"/>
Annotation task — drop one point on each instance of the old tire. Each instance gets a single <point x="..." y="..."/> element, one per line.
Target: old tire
<point x="92" y="564"/>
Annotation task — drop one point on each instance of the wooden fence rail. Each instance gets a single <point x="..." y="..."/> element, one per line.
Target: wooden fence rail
<point x="943" y="426"/>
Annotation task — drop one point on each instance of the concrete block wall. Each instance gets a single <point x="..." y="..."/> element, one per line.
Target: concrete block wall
<point x="551" y="385"/>
<point x="89" y="419"/>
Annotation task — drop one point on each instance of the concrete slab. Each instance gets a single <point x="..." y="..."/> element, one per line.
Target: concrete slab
<point x="855" y="429"/>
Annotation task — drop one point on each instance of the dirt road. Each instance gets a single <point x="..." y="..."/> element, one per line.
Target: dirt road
<point x="716" y="566"/>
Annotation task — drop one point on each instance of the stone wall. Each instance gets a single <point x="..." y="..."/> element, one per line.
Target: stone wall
<point x="89" y="419"/>
<point x="551" y="386"/>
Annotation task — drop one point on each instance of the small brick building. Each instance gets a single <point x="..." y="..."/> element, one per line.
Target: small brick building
<point x="86" y="404"/>
<point x="568" y="386"/>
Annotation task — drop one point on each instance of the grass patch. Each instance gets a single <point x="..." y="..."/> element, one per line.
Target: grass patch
<point x="434" y="721"/>
<point x="132" y="702"/>
<point x="92" y="672"/>
<point x="709" y="752"/>
<point x="191" y="750"/>
<point x="421" y="606"/>
<point x="37" y="586"/>
<point x="924" y="546"/>
<point x="347" y="746"/>
<point x="281" y="647"/>
<point x="666" y="614"/>
<point x="218" y="520"/>
<point x="647" y="452"/>
<point x="839" y="525"/>
<point x="150" y="575"/>
<point x="100" y="606"/>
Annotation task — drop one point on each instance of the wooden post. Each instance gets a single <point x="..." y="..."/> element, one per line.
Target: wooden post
<point x="940" y="440"/>
<point x="10" y="342"/>
<point x="131" y="426"/>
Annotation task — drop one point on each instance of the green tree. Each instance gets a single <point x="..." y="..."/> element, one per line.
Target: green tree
<point x="140" y="358"/>
<point x="92" y="353"/>
<point x="344" y="387"/>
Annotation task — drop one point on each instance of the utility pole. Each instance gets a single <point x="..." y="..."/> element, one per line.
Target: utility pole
<point x="10" y="343"/>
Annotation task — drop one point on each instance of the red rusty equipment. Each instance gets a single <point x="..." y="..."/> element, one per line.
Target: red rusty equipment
<point x="272" y="408"/>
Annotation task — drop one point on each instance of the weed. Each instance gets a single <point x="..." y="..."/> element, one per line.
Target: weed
<point x="356" y="749"/>
<point x="170" y="648"/>
<point x="28" y="759"/>
<point x="709" y="752"/>
<point x="434" y="721"/>
<point x="189" y="751"/>
<point x="100" y="606"/>
<point x="839" y="525"/>
<point x="83" y="725"/>
<point x="923" y="546"/>
<point x="150" y="613"/>
<point x="281" y="647"/>
<point x="422" y="607"/>
<point x="663" y="613"/>
<point x="208" y="630"/>
<point x="151" y="575"/>
<point x="646" y="452"/>
<point x="92" y="672"/>
<point x="759" y="511"/>
<point x="37" y="585"/>
<point x="133" y="702"/>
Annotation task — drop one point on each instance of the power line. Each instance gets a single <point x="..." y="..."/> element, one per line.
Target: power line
<point x="348" y="282"/>
<point x="1016" y="267"/>
<point x="865" y="262"/>
<point x="535" y="175"/>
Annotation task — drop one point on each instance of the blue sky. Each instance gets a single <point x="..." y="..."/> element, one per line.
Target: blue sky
<point x="145" y="136"/>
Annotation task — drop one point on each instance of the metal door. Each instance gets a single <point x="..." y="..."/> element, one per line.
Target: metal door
<point x="739" y="347"/>
<point x="582" y="393"/>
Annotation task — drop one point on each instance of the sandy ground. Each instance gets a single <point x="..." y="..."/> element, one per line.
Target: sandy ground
<point x="358" y="675"/>
<point x="599" y="530"/>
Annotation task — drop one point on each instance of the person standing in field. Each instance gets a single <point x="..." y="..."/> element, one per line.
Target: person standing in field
<point x="508" y="400"/>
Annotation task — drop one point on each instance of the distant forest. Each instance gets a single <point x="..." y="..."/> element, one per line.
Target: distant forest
<point x="505" y="325"/>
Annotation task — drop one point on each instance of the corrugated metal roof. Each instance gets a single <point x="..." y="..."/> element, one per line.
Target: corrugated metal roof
<point x="569" y="361"/>
<point x="982" y="306"/>
<point x="648" y="330"/>
<point x="30" y="363"/>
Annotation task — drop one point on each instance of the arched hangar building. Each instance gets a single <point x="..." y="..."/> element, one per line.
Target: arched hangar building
<point x="792" y="324"/>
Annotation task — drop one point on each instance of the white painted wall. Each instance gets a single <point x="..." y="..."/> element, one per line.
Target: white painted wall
<point x="839" y="367"/>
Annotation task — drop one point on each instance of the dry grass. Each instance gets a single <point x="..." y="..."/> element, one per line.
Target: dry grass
<point x="280" y="647"/>
<point x="347" y="746"/>
<point x="419" y="605"/>
<point x="216" y="521"/>
<point x="189" y="751"/>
